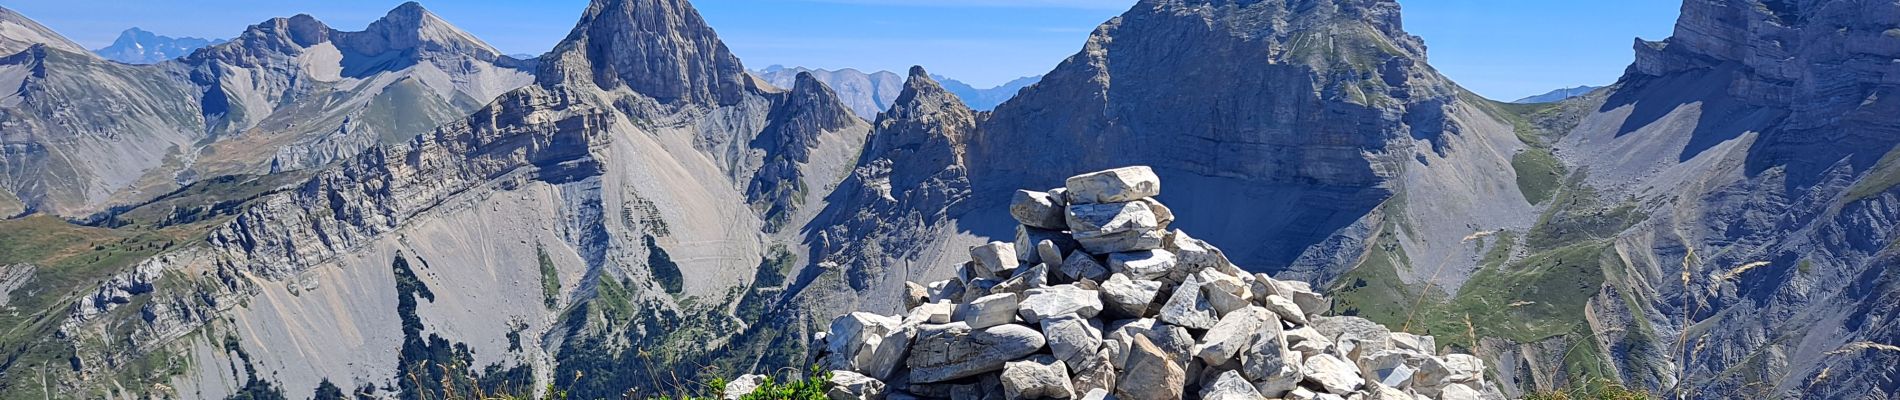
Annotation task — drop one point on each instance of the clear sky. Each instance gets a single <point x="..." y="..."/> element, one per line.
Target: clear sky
<point x="1504" y="49"/>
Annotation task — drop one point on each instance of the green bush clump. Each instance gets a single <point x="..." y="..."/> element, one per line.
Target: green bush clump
<point x="1601" y="390"/>
<point x="812" y="387"/>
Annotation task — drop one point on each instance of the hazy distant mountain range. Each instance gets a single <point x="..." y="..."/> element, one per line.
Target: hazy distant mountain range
<point x="988" y="98"/>
<point x="870" y="93"/>
<point x="137" y="46"/>
<point x="1558" y="95"/>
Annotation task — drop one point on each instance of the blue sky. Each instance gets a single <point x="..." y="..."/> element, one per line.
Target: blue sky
<point x="1503" y="49"/>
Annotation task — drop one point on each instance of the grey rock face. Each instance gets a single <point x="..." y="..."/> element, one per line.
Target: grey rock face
<point x="1188" y="307"/>
<point x="1040" y="377"/>
<point x="562" y="166"/>
<point x="847" y="385"/>
<point x="794" y="131"/>
<point x="1059" y="300"/>
<point x="1269" y="363"/>
<point x="1029" y="244"/>
<point x="1150" y="373"/>
<point x="1081" y="265"/>
<point x="1048" y="252"/>
<point x="911" y="162"/>
<point x="988" y="311"/>
<point x="1073" y="340"/>
<point x="1332" y="374"/>
<point x="951" y="351"/>
<point x="1233" y="334"/>
<point x="1026" y="278"/>
<point x="1115" y="185"/>
<point x="994" y="260"/>
<point x="741" y="386"/>
<point x="1285" y="309"/>
<point x="857" y="342"/>
<point x="1115" y="227"/>
<point x="1143" y="264"/>
<point x="1790" y="82"/>
<point x="931" y="313"/>
<point x="1038" y="209"/>
<point x="1230" y="386"/>
<point x="675" y="58"/>
<point x="1127" y="297"/>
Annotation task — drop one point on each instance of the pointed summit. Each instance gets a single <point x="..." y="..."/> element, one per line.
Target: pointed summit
<point x="410" y="26"/>
<point x="923" y="95"/>
<point x="17" y="32"/>
<point x="811" y="99"/>
<point x="926" y="121"/>
<point x="802" y="123"/>
<point x="658" y="48"/>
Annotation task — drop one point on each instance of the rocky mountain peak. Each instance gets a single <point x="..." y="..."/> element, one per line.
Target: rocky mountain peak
<point x="662" y="49"/>
<point x="1348" y="56"/>
<point x="921" y="95"/>
<point x="275" y="36"/>
<point x="17" y="32"/>
<point x="139" y="46"/>
<point x="302" y="29"/>
<point x="817" y="101"/>
<point x="925" y="113"/>
<point x="133" y="35"/>
<point x="407" y="28"/>
<point x="410" y="26"/>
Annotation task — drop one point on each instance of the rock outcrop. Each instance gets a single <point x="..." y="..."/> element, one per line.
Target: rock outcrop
<point x="1186" y="323"/>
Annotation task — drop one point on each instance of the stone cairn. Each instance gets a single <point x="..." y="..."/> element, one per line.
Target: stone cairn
<point x="1097" y="299"/>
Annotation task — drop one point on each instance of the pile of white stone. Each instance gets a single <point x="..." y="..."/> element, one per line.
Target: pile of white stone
<point x="1098" y="299"/>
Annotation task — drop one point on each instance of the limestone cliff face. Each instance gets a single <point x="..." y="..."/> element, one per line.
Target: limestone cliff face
<point x="1757" y="140"/>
